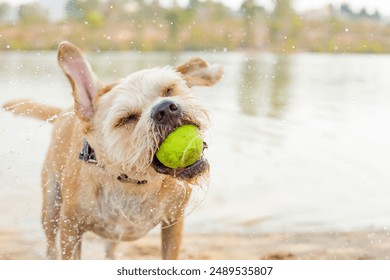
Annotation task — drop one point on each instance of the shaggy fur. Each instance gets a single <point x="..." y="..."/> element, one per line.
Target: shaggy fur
<point x="116" y="120"/>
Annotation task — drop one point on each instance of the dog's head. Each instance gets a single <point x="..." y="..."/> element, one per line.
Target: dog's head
<point x="125" y="122"/>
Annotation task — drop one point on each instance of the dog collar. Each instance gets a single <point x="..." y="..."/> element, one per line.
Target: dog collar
<point x="87" y="154"/>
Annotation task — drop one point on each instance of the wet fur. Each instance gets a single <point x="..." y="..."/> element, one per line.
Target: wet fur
<point x="116" y="121"/>
<point x="27" y="107"/>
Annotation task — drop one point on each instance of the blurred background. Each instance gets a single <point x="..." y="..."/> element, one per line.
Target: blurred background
<point x="300" y="121"/>
<point x="159" y="25"/>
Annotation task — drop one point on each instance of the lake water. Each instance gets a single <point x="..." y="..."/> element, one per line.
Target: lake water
<point x="297" y="143"/>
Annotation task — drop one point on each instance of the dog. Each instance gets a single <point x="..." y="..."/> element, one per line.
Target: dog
<point x="101" y="173"/>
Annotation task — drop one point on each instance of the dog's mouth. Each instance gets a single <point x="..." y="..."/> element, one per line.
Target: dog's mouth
<point x="185" y="173"/>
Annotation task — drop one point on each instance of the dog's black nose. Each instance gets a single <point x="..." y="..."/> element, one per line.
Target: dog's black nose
<point x="166" y="112"/>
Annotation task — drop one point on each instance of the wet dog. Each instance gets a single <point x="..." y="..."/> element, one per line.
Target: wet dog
<point x="101" y="173"/>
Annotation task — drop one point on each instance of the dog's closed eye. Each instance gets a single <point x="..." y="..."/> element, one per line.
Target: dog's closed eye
<point x="128" y="119"/>
<point x="168" y="91"/>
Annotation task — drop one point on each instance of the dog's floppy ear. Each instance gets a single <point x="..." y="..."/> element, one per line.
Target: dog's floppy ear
<point x="84" y="83"/>
<point x="198" y="72"/>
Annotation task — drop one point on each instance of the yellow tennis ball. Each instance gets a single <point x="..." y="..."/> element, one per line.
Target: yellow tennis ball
<point x="181" y="148"/>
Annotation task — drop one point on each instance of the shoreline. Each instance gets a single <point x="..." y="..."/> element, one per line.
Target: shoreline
<point x="354" y="245"/>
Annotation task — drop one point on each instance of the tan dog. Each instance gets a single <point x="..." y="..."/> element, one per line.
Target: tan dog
<point x="116" y="187"/>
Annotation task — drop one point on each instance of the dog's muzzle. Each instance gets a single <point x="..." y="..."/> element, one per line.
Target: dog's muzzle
<point x="189" y="172"/>
<point x="169" y="116"/>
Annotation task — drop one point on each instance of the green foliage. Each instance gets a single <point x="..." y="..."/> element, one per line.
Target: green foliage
<point x="4" y="10"/>
<point x="173" y="16"/>
<point x="249" y="11"/>
<point x="32" y="13"/>
<point x="81" y="9"/>
<point x="73" y="10"/>
<point x="117" y="10"/>
<point x="204" y="24"/>
<point x="94" y="19"/>
<point x="282" y="23"/>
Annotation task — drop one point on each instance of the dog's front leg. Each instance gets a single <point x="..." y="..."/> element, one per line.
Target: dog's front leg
<point x="110" y="249"/>
<point x="70" y="240"/>
<point x="171" y="236"/>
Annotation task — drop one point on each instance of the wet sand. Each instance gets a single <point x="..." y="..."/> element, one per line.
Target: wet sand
<point x="272" y="246"/>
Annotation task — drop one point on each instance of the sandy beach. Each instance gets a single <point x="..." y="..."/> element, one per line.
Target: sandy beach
<point x="271" y="246"/>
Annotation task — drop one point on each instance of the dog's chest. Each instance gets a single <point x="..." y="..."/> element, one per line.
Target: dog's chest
<point x="123" y="215"/>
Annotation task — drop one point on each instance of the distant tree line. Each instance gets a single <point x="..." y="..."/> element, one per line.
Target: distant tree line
<point x="147" y="25"/>
<point x="346" y="10"/>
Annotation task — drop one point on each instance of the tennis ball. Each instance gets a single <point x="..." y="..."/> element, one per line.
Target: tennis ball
<point x="181" y="148"/>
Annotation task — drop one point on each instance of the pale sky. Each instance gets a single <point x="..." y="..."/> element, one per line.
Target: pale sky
<point x="383" y="6"/>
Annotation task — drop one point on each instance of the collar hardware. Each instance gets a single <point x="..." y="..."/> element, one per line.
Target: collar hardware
<point x="87" y="154"/>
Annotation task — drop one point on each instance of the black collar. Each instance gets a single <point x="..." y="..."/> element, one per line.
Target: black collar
<point x="87" y="154"/>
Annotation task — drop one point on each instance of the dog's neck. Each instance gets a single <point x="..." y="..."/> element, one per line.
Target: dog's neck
<point x="87" y="154"/>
